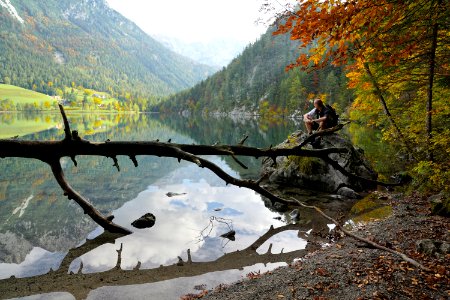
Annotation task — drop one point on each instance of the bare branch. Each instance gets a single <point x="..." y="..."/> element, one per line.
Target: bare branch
<point x="68" y="135"/>
<point x="133" y="159"/>
<point x="241" y="142"/>
<point x="116" y="163"/>
<point x="119" y="256"/>
<point x="341" y="169"/>
<point x="239" y="162"/>
<point x="376" y="245"/>
<point x="88" y="209"/>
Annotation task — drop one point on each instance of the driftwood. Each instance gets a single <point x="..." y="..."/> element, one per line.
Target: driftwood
<point x="73" y="145"/>
<point x="369" y="242"/>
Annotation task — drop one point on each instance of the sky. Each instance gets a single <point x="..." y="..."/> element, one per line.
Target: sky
<point x="195" y="20"/>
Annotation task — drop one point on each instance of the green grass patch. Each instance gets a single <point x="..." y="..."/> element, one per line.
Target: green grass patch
<point x="15" y="127"/>
<point x="370" y="208"/>
<point x="21" y="95"/>
<point x="365" y="204"/>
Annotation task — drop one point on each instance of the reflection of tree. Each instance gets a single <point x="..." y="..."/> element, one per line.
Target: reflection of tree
<point x="231" y="131"/>
<point x="66" y="226"/>
<point x="79" y="284"/>
<point x="380" y="156"/>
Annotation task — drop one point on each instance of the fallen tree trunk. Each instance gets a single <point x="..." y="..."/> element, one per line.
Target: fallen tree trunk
<point x="50" y="152"/>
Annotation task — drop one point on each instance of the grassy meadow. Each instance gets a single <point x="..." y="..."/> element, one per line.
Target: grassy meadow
<point x="21" y="95"/>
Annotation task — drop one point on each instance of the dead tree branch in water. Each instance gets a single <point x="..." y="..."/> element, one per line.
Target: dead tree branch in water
<point x="50" y="152"/>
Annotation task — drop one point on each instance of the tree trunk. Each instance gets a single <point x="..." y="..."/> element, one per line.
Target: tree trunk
<point x="432" y="65"/>
<point x="380" y="96"/>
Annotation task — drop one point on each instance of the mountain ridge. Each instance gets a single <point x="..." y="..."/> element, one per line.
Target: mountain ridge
<point x="90" y="44"/>
<point x="256" y="82"/>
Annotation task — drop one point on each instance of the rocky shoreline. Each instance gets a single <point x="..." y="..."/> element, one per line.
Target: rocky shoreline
<point x="349" y="269"/>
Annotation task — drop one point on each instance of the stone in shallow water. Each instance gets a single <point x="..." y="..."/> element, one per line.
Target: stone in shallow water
<point x="229" y="235"/>
<point x="146" y="221"/>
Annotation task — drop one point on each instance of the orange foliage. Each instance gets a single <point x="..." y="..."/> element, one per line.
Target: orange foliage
<point x="339" y="32"/>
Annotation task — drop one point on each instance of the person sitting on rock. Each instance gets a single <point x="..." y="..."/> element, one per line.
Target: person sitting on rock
<point x="319" y="118"/>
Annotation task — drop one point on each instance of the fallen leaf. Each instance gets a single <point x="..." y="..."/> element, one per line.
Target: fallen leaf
<point x="322" y="272"/>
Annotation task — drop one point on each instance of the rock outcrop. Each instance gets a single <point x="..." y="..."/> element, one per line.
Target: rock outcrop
<point x="314" y="173"/>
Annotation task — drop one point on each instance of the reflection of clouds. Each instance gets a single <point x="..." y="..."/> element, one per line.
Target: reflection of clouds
<point x="175" y="288"/>
<point x="38" y="261"/>
<point x="179" y="221"/>
<point x="286" y="241"/>
<point x="50" y="296"/>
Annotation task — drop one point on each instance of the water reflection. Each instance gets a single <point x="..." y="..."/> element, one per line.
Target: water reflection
<point x="179" y="221"/>
<point x="34" y="241"/>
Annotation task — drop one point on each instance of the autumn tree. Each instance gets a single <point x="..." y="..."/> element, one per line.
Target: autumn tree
<point x="395" y="52"/>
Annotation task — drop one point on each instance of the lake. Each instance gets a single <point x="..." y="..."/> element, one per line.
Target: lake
<point x="38" y="225"/>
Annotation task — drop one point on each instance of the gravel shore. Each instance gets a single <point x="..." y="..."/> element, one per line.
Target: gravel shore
<point x="349" y="269"/>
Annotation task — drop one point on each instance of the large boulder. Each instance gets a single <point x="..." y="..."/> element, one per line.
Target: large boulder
<point x="314" y="173"/>
<point x="440" y="204"/>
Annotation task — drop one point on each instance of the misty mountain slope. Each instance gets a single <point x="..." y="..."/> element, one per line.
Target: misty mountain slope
<point x="216" y="52"/>
<point x="256" y="81"/>
<point x="90" y="44"/>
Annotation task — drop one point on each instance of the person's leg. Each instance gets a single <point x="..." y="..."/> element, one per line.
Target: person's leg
<point x="315" y="126"/>
<point x="322" y="125"/>
<point x="309" y="126"/>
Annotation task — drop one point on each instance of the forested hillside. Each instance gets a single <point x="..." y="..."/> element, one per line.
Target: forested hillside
<point x="49" y="45"/>
<point x="257" y="81"/>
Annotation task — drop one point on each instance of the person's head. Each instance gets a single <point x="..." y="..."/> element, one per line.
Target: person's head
<point x="318" y="103"/>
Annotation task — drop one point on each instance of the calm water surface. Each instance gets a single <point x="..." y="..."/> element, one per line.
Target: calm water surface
<point x="38" y="225"/>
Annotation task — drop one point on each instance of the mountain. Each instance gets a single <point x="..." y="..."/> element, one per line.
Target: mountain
<point x="217" y="52"/>
<point x="55" y="43"/>
<point x="256" y="81"/>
